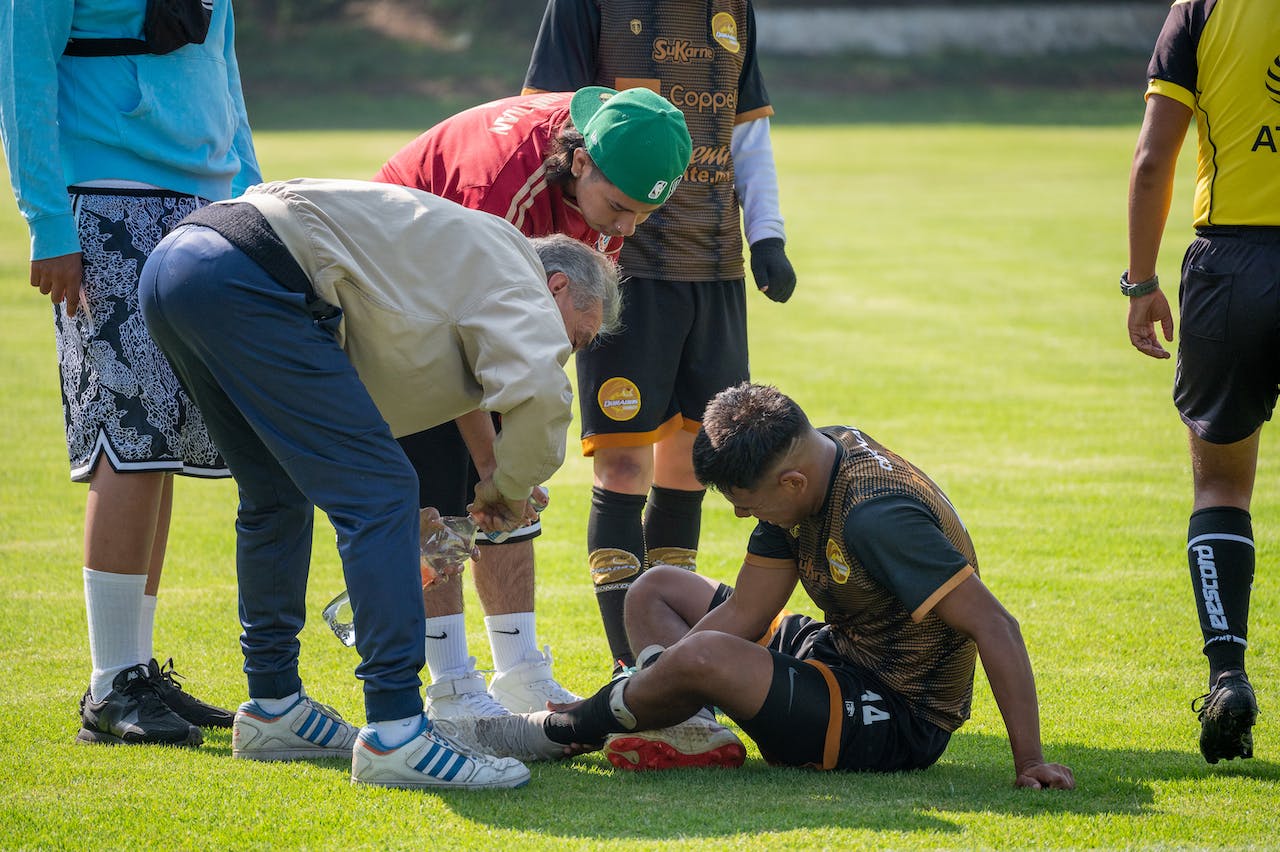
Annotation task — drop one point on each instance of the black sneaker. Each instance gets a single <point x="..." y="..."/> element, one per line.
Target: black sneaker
<point x="132" y="714"/>
<point x="1226" y="718"/>
<point x="165" y="680"/>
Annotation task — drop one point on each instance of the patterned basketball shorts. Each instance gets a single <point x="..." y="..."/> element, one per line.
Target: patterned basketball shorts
<point x="120" y="397"/>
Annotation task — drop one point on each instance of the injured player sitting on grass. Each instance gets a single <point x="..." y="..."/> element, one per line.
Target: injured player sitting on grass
<point x="879" y="686"/>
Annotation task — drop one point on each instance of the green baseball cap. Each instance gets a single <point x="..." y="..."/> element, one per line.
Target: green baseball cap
<point x="636" y="137"/>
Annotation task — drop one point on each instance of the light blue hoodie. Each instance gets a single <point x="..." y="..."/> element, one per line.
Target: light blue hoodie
<point x="176" y="121"/>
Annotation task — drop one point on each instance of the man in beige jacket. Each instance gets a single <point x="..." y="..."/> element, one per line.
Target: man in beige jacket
<point x="313" y="321"/>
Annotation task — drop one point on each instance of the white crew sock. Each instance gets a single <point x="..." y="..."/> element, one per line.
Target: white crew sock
<point x="146" y="626"/>
<point x="276" y="706"/>
<point x="113" y="604"/>
<point x="447" y="646"/>
<point x="397" y="732"/>
<point x="511" y="637"/>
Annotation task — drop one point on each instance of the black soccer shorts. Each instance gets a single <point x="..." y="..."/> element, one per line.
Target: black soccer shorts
<point x="681" y="343"/>
<point x="1225" y="386"/>
<point x="824" y="712"/>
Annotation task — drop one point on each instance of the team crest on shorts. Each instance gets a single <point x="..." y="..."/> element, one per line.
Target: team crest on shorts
<point x="636" y="26"/>
<point x="725" y="31"/>
<point x="837" y="562"/>
<point x="619" y="398"/>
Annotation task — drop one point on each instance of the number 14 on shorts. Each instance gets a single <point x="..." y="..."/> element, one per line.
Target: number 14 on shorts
<point x="870" y="713"/>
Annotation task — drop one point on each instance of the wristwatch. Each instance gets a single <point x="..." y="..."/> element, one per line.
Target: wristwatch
<point x="1140" y="288"/>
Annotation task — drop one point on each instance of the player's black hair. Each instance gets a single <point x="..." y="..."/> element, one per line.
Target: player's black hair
<point x="746" y="429"/>
<point x="559" y="162"/>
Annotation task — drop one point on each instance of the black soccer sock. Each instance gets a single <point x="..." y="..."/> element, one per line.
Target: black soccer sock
<point x="589" y="722"/>
<point x="1220" y="553"/>
<point x="672" y="525"/>
<point x="615" y="548"/>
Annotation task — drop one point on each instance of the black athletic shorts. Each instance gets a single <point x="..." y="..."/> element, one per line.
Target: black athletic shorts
<point x="824" y="712"/>
<point x="681" y="343"/>
<point x="447" y="478"/>
<point x="1229" y="349"/>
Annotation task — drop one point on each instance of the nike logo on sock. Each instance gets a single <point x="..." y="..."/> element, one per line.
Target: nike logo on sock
<point x="441" y="636"/>
<point x="515" y="632"/>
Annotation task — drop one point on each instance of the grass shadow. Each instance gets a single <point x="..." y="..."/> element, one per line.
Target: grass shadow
<point x="975" y="776"/>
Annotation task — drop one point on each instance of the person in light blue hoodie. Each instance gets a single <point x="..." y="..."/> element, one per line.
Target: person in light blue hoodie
<point x="106" y="154"/>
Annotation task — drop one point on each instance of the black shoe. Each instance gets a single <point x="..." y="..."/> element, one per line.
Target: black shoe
<point x="133" y="713"/>
<point x="1226" y="718"/>
<point x="165" y="680"/>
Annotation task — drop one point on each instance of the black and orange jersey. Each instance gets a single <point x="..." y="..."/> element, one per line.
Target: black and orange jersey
<point x="1222" y="59"/>
<point x="886" y="547"/>
<point x="700" y="56"/>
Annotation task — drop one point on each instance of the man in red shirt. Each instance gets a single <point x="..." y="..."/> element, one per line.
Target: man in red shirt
<point x="591" y="165"/>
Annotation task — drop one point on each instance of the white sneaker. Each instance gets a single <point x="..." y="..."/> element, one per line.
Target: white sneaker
<point x="431" y="760"/>
<point x="697" y="741"/>
<point x="461" y="696"/>
<point x="306" y="731"/>
<point x="519" y="735"/>
<point x="528" y="686"/>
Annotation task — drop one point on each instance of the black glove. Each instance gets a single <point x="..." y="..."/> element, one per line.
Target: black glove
<point x="773" y="272"/>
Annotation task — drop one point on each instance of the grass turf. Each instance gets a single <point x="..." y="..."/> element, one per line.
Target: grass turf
<point x="958" y="301"/>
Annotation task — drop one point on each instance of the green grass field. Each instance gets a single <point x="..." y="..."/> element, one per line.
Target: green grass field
<point x="958" y="301"/>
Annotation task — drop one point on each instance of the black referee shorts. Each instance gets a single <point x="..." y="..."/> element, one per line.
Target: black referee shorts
<point x="1229" y="348"/>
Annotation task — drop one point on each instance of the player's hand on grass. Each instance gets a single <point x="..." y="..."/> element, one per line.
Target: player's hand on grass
<point x="1045" y="776"/>
<point x="1144" y="313"/>
<point x="773" y="272"/>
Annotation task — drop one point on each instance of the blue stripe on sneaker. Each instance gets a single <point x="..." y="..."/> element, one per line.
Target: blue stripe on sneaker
<point x="421" y="765"/>
<point x="333" y="730"/>
<point x="306" y="728"/>
<point x="455" y="766"/>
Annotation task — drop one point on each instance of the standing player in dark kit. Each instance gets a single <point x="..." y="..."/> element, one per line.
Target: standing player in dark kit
<point x="880" y="686"/>
<point x="684" y="313"/>
<point x="1216" y="59"/>
<point x="590" y="165"/>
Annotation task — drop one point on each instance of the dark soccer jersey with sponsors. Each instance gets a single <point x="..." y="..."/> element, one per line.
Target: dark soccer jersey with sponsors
<point x="701" y="57"/>
<point x="490" y="158"/>
<point x="886" y="547"/>
<point x="1222" y="59"/>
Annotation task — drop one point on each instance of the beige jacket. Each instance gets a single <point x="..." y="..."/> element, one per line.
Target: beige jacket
<point x="445" y="310"/>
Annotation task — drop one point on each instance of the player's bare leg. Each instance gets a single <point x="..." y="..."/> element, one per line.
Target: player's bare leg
<point x="663" y="604"/>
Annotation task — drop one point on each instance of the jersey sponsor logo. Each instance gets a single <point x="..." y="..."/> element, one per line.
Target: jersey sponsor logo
<point x="1273" y="80"/>
<point x="837" y="562"/>
<point x="680" y="51"/>
<point x="685" y="97"/>
<point x="1266" y="138"/>
<point x="636" y="26"/>
<point x="619" y="398"/>
<point x="1208" y="567"/>
<point x="710" y="164"/>
<point x="724" y="29"/>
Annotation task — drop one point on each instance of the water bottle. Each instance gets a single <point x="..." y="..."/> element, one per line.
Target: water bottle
<point x="447" y="545"/>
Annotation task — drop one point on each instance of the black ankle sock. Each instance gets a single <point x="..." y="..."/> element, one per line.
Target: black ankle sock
<point x="1220" y="554"/>
<point x="587" y="723"/>
<point x="615" y="547"/>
